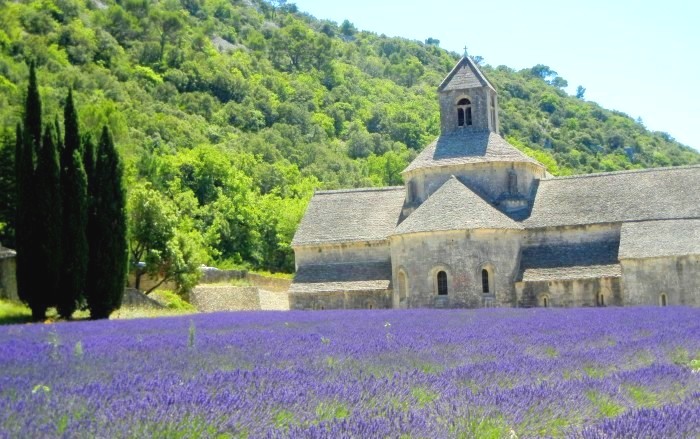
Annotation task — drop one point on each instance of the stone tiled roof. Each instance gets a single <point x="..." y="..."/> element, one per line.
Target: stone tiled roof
<point x="360" y="276"/>
<point x="455" y="207"/>
<point x="464" y="75"/>
<point x="460" y="148"/>
<point x="350" y="215"/>
<point x="652" y="239"/>
<point x="649" y="194"/>
<point x="6" y="252"/>
<point x="569" y="261"/>
<point x="569" y="273"/>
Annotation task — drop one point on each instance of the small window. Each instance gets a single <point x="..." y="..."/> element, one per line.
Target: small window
<point x="601" y="299"/>
<point x="662" y="299"/>
<point x="545" y="302"/>
<point x="442" y="283"/>
<point x="464" y="112"/>
<point x="485" y="281"/>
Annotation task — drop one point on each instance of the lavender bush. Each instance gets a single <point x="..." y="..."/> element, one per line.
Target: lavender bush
<point x="583" y="373"/>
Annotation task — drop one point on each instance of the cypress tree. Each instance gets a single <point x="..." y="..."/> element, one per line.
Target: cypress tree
<point x="92" y="283"/>
<point x="74" y="201"/>
<point x="108" y="261"/>
<point x="47" y="235"/>
<point x="27" y="145"/>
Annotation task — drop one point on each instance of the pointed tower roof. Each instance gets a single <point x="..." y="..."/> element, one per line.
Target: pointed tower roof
<point x="459" y="149"/>
<point x="464" y="75"/>
<point x="455" y="207"/>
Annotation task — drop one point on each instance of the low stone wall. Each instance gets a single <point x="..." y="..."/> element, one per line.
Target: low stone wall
<point x="210" y="298"/>
<point x="359" y="299"/>
<point x="8" y="280"/>
<point x="269" y="283"/>
<point x="148" y="282"/>
<point x="135" y="298"/>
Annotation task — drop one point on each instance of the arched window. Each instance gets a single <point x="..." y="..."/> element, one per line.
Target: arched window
<point x="464" y="112"/>
<point x="545" y="302"/>
<point x="601" y="299"/>
<point x="403" y="286"/>
<point x="493" y="111"/>
<point x="442" y="283"/>
<point x="485" y="281"/>
<point x="662" y="299"/>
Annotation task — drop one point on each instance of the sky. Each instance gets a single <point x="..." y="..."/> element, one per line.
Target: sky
<point x="640" y="57"/>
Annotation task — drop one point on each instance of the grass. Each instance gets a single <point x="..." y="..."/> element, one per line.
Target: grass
<point x="171" y="300"/>
<point x="607" y="408"/>
<point x="14" y="312"/>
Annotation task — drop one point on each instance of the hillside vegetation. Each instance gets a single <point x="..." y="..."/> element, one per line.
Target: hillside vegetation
<point x="228" y="113"/>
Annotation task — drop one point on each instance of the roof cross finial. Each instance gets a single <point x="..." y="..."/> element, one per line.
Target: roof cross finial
<point x="465" y="51"/>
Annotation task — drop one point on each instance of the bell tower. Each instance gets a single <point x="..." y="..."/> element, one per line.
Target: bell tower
<point x="468" y="102"/>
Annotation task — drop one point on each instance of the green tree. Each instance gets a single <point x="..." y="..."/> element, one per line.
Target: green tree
<point x="8" y="194"/>
<point x="46" y="252"/>
<point x="108" y="260"/>
<point x="74" y="204"/>
<point x="28" y="142"/>
<point x="156" y="247"/>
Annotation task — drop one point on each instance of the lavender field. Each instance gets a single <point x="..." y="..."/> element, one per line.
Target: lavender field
<point x="589" y="373"/>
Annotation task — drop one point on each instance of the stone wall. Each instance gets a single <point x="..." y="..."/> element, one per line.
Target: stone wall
<point x="369" y="251"/>
<point x="8" y="281"/>
<point x="210" y="298"/>
<point x="225" y="298"/>
<point x="490" y="179"/>
<point x="358" y="299"/>
<point x="462" y="255"/>
<point x="644" y="280"/>
<point x="570" y="292"/>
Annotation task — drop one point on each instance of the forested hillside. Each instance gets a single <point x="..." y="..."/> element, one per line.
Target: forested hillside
<point x="229" y="113"/>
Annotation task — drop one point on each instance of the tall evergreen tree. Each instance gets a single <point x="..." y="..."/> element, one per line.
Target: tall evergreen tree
<point x="74" y="202"/>
<point x="8" y="194"/>
<point x="46" y="254"/>
<point x="108" y="244"/>
<point x="28" y="143"/>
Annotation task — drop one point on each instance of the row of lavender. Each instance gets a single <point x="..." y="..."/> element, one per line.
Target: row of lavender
<point x="626" y="372"/>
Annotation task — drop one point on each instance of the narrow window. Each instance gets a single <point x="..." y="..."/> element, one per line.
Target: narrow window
<point x="663" y="299"/>
<point x="601" y="299"/>
<point x="442" y="283"/>
<point x="493" y="112"/>
<point x="485" y="281"/>
<point x="402" y="286"/>
<point x="545" y="302"/>
<point x="464" y="112"/>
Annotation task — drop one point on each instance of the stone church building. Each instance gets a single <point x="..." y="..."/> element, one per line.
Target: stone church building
<point x="479" y="224"/>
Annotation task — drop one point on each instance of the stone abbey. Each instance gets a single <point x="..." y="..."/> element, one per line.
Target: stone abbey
<point x="479" y="224"/>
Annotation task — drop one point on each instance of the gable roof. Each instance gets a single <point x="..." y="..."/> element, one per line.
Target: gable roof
<point x="455" y="207"/>
<point x="350" y="215"/>
<point x="464" y="75"/>
<point x="639" y="195"/>
<point x="651" y="239"/>
<point x="462" y="148"/>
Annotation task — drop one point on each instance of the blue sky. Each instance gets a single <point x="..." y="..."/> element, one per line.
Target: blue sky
<point x="640" y="57"/>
